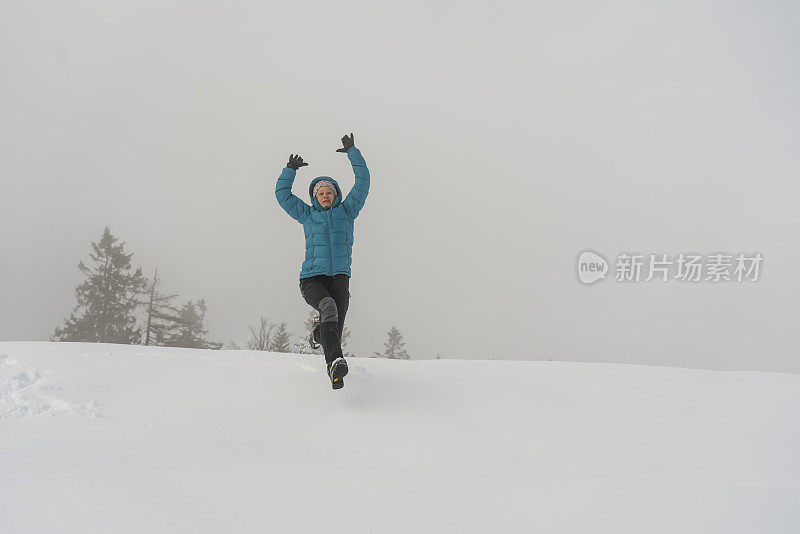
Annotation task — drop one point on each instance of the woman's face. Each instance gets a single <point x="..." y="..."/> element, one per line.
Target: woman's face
<point x="325" y="196"/>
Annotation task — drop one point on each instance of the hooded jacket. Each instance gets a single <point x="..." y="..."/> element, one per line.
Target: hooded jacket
<point x="328" y="233"/>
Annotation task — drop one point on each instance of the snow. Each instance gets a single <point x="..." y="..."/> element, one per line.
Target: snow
<point x="113" y="438"/>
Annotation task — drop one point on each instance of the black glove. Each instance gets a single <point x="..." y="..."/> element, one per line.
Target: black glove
<point x="348" y="143"/>
<point x="295" y="162"/>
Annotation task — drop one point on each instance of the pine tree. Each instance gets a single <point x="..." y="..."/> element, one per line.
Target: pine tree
<point x="190" y="329"/>
<point x="280" y="342"/>
<point x="394" y="346"/>
<point x="108" y="297"/>
<point x="162" y="317"/>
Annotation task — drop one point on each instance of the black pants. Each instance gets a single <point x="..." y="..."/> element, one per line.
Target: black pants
<point x="316" y="288"/>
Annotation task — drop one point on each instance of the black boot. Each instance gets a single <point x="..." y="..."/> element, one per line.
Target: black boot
<point x="331" y="344"/>
<point x="337" y="370"/>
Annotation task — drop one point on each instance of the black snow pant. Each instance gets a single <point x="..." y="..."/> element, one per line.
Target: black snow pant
<point x="330" y="296"/>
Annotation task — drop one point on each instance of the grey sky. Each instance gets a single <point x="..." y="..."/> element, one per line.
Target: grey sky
<point x="502" y="140"/>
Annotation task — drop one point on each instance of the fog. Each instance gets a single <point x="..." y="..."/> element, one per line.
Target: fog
<point x="502" y="141"/>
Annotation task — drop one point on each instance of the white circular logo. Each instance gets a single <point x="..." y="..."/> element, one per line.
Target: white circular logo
<point x="591" y="267"/>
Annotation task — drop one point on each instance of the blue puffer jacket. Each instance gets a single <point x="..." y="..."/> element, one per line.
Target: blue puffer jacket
<point x="329" y="233"/>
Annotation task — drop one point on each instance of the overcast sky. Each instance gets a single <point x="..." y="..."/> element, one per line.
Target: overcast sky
<point x="502" y="139"/>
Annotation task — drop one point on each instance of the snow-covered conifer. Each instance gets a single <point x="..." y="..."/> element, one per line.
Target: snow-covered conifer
<point x="394" y="346"/>
<point x="190" y="331"/>
<point x="108" y="297"/>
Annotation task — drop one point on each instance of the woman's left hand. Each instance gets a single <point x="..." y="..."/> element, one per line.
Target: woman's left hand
<point x="348" y="143"/>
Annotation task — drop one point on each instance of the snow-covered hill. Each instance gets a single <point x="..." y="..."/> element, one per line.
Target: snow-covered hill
<point x="110" y="438"/>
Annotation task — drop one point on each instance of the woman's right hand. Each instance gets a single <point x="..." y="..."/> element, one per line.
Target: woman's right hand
<point x="295" y="162"/>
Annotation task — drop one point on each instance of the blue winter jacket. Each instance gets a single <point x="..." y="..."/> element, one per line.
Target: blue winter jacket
<point x="329" y="233"/>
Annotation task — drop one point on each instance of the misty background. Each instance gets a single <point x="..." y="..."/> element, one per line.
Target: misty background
<point x="502" y="140"/>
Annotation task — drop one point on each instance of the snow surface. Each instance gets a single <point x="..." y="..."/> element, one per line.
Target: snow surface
<point x="113" y="438"/>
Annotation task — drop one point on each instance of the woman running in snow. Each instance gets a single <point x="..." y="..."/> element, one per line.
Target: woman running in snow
<point x="328" y="228"/>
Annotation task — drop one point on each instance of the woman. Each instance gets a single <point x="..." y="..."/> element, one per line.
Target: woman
<point x="328" y="227"/>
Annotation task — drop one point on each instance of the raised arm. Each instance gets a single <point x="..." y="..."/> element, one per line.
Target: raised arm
<point x="358" y="195"/>
<point x="296" y="208"/>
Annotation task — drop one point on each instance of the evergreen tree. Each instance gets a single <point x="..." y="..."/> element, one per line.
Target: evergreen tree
<point x="108" y="297"/>
<point x="394" y="346"/>
<point x="280" y="341"/>
<point x="162" y="317"/>
<point x="190" y="330"/>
